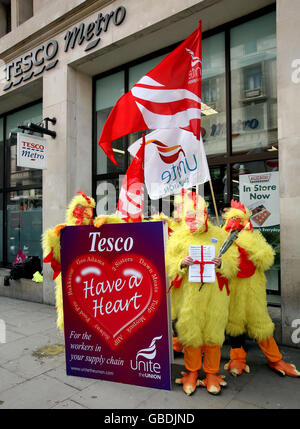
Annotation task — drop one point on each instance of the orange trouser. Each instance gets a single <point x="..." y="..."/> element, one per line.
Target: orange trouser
<point x="270" y="350"/>
<point x="176" y="345"/>
<point x="238" y="354"/>
<point x="211" y="361"/>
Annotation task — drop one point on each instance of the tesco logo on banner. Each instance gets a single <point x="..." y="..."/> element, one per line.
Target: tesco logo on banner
<point x="31" y="151"/>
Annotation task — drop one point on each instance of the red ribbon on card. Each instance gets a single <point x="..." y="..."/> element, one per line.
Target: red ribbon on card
<point x="202" y="263"/>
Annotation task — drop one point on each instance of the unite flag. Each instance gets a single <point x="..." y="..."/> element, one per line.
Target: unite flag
<point x="168" y="96"/>
<point x="174" y="159"/>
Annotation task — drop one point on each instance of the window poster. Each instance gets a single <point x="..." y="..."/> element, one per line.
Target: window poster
<point x="260" y="193"/>
<point x="115" y="301"/>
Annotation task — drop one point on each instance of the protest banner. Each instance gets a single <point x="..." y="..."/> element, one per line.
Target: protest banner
<point x="115" y="303"/>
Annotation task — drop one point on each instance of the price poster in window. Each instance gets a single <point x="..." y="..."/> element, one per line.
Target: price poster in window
<point x="116" y="316"/>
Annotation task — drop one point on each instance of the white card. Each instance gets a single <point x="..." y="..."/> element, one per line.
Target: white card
<point x="208" y="254"/>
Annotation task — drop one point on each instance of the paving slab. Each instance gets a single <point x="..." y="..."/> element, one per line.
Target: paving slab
<point x="8" y="379"/>
<point x="79" y="383"/>
<point x="110" y="395"/>
<point x="11" y="335"/>
<point x="41" y="392"/>
<point x="28" y="366"/>
<point x="32" y="327"/>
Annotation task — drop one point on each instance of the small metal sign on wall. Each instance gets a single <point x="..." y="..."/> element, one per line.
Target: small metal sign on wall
<point x="32" y="151"/>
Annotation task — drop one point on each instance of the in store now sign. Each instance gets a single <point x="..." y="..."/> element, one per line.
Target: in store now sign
<point x="44" y="57"/>
<point x="260" y="193"/>
<point x="32" y="151"/>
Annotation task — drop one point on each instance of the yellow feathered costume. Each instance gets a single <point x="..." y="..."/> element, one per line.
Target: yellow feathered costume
<point x="79" y="212"/>
<point x="248" y="302"/>
<point x="201" y="314"/>
<point x="248" y="311"/>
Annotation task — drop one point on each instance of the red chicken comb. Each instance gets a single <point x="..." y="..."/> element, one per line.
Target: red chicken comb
<point x="237" y="205"/>
<point x="84" y="196"/>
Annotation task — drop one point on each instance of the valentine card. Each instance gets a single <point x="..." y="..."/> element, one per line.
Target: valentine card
<point x="115" y="302"/>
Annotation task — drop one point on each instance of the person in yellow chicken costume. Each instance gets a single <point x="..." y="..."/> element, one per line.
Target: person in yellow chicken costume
<point x="201" y="311"/>
<point x="248" y="311"/>
<point x="79" y="212"/>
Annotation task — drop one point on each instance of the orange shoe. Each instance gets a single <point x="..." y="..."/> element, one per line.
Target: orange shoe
<point x="213" y="383"/>
<point x="189" y="381"/>
<point x="237" y="363"/>
<point x="236" y="367"/>
<point x="284" y="368"/>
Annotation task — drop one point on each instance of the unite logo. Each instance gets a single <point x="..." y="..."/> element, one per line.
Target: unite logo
<point x="163" y="150"/>
<point x="196" y="70"/>
<point x="144" y="361"/>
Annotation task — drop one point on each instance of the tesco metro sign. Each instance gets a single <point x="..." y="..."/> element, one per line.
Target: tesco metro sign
<point x="32" y="151"/>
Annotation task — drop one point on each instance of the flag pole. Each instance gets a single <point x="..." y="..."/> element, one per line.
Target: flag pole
<point x="199" y="137"/>
<point x="199" y="132"/>
<point x="214" y="201"/>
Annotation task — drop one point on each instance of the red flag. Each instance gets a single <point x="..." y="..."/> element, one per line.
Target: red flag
<point x="168" y="96"/>
<point x="131" y="199"/>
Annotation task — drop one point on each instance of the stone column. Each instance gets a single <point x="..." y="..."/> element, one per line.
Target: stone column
<point x="67" y="96"/>
<point x="288" y="73"/>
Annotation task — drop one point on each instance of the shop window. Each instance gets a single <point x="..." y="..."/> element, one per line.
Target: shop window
<point x="5" y="17"/>
<point x="20" y="191"/>
<point x="108" y="90"/>
<point x="1" y="226"/>
<point x="24" y="220"/>
<point x="213" y="107"/>
<point x="1" y="154"/>
<point x="218" y="176"/>
<point x="21" y="176"/>
<point x="254" y="99"/>
<point x="24" y="10"/>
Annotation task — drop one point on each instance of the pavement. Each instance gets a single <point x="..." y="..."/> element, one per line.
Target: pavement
<point x="33" y="376"/>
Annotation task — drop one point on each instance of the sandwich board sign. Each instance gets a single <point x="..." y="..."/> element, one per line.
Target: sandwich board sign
<point x="116" y="314"/>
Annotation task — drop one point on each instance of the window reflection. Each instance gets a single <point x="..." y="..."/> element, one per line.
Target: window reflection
<point x="1" y="227"/>
<point x="213" y="108"/>
<point x="21" y="176"/>
<point x="1" y="153"/>
<point x="108" y="90"/>
<point x="24" y="223"/>
<point x="253" y="85"/>
<point x="218" y="177"/>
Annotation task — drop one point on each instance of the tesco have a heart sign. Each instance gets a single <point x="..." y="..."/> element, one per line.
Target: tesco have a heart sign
<point x="115" y="303"/>
<point x="110" y="298"/>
